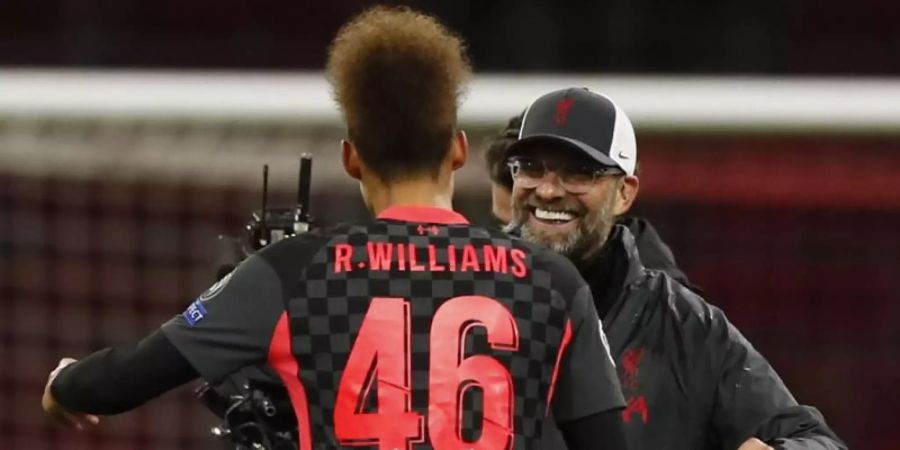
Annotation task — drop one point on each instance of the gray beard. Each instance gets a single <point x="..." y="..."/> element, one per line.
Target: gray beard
<point x="566" y="246"/>
<point x="582" y="244"/>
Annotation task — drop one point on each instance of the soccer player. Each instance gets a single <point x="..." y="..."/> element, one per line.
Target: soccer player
<point x="413" y="330"/>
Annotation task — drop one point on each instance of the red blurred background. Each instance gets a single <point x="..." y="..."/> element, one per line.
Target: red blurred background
<point x="801" y="252"/>
<point x="793" y="233"/>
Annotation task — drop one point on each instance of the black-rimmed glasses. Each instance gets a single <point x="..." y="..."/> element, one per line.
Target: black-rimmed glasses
<point x="575" y="177"/>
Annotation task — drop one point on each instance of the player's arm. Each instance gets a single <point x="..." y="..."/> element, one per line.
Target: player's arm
<point x="115" y="380"/>
<point x="752" y="403"/>
<point x="587" y="399"/>
<point x="227" y="328"/>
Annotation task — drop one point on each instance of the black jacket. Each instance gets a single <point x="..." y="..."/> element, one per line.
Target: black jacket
<point x="691" y="380"/>
<point x="654" y="253"/>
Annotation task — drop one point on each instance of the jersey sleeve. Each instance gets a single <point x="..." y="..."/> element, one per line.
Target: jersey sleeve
<point x="230" y="326"/>
<point x="587" y="383"/>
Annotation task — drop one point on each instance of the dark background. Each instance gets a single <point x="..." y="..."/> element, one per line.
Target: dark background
<point x="795" y="235"/>
<point x="642" y="36"/>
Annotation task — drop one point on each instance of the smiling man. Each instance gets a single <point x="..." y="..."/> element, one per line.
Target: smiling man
<point x="575" y="214"/>
<point x="690" y="379"/>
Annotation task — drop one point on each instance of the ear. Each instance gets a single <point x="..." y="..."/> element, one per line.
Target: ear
<point x="501" y="203"/>
<point x="627" y="192"/>
<point x="459" y="149"/>
<point x="350" y="158"/>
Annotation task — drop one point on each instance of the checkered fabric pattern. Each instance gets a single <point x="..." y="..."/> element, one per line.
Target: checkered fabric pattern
<point x="330" y="307"/>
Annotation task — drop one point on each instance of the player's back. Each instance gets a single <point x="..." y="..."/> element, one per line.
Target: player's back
<point x="418" y="330"/>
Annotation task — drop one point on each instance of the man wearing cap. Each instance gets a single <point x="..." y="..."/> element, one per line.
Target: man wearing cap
<point x="691" y="380"/>
<point x="654" y="253"/>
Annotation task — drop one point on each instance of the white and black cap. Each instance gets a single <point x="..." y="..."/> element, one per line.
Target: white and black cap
<point x="582" y="120"/>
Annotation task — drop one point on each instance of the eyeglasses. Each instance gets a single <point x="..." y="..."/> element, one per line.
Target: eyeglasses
<point x="575" y="177"/>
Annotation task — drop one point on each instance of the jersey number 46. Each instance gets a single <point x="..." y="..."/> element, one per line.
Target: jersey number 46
<point x="381" y="354"/>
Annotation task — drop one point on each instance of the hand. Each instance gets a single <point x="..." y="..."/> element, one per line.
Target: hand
<point x="57" y="412"/>
<point x="754" y="444"/>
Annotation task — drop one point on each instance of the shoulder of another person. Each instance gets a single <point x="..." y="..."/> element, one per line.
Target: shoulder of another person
<point x="685" y="307"/>
<point x="290" y="257"/>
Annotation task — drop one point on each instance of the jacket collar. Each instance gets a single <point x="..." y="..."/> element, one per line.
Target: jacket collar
<point x="617" y="266"/>
<point x="629" y="250"/>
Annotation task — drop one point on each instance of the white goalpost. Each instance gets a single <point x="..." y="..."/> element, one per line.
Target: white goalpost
<point x="220" y="127"/>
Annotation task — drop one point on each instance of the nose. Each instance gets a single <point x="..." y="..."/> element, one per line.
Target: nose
<point x="549" y="187"/>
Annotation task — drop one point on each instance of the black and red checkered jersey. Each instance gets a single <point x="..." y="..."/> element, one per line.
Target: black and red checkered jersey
<point x="416" y="330"/>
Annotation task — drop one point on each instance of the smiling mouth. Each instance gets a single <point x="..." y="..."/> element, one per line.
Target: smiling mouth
<point x="552" y="217"/>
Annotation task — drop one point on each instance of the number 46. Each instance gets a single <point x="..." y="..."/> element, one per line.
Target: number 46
<point x="381" y="353"/>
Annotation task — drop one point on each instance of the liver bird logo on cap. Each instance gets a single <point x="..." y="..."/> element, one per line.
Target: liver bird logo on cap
<point x="562" y="111"/>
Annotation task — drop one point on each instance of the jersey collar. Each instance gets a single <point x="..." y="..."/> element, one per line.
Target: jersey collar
<point x="426" y="214"/>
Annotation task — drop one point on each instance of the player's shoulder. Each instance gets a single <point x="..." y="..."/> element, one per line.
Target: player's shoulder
<point x="295" y="252"/>
<point x="539" y="254"/>
<point x="553" y="262"/>
<point x="564" y="276"/>
<point x="542" y="256"/>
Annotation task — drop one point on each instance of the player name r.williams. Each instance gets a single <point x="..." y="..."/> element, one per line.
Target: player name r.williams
<point x="430" y="258"/>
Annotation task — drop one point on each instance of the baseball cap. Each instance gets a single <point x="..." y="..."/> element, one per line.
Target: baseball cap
<point x="582" y="120"/>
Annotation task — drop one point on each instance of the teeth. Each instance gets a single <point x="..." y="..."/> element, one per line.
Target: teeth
<point x="552" y="215"/>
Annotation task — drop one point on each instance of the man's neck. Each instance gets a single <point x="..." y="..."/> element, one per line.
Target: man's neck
<point x="411" y="192"/>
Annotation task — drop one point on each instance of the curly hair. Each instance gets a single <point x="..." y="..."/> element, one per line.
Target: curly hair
<point x="495" y="155"/>
<point x="398" y="76"/>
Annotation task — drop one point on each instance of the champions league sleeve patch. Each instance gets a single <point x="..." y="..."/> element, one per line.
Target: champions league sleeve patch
<point x="216" y="288"/>
<point x="194" y="313"/>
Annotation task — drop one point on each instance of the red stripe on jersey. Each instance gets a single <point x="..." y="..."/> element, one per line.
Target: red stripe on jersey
<point x="566" y="339"/>
<point x="425" y="214"/>
<point x="281" y="359"/>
